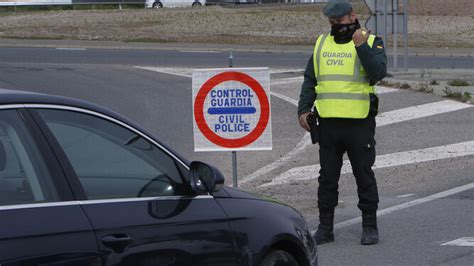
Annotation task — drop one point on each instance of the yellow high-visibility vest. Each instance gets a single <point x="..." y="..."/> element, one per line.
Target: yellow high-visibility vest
<point x="343" y="86"/>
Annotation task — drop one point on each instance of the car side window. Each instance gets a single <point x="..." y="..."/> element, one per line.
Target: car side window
<point x="24" y="176"/>
<point x="112" y="161"/>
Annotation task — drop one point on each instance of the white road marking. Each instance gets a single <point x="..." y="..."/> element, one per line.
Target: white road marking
<point x="409" y="204"/>
<point x="294" y="79"/>
<point x="382" y="90"/>
<point x="285" y="81"/>
<point x="201" y="52"/>
<point x="388" y="118"/>
<point x="302" y="144"/>
<point x="285" y="98"/>
<point x="182" y="72"/>
<point x="70" y="49"/>
<point x="405" y="196"/>
<point x="382" y="161"/>
<point x="187" y="72"/>
<point x="419" y="111"/>
<point x="287" y="71"/>
<point x="461" y="242"/>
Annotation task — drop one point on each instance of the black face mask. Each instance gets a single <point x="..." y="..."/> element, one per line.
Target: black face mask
<point x="343" y="32"/>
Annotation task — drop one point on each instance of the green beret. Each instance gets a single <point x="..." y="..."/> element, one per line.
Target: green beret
<point x="337" y="8"/>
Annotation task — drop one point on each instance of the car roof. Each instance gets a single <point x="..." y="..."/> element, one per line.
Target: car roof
<point x="8" y="97"/>
<point x="12" y="97"/>
<point x="27" y="97"/>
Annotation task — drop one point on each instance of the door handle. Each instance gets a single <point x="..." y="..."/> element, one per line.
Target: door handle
<point x="117" y="242"/>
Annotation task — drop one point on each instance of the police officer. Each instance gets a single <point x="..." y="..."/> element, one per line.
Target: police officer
<point x="338" y="82"/>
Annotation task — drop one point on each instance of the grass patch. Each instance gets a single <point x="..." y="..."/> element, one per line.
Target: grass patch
<point x="463" y="97"/>
<point x="383" y="83"/>
<point x="405" y="86"/>
<point x="424" y="87"/>
<point x="458" y="83"/>
<point x="467" y="96"/>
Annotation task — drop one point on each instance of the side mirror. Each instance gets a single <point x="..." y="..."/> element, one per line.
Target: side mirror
<point x="205" y="178"/>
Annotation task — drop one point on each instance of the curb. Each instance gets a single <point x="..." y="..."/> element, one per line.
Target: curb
<point x="119" y="45"/>
<point x="424" y="86"/>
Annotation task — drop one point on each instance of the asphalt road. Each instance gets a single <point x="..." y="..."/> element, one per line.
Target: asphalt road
<point x="419" y="237"/>
<point x="437" y="143"/>
<point x="200" y="59"/>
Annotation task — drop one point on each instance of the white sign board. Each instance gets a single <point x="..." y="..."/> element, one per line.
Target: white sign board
<point x="377" y="6"/>
<point x="376" y="23"/>
<point x="231" y="109"/>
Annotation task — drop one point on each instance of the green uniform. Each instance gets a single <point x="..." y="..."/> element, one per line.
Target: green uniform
<point x="373" y="60"/>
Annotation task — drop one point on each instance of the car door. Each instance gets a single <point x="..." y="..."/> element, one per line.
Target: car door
<point x="135" y="194"/>
<point x="40" y="223"/>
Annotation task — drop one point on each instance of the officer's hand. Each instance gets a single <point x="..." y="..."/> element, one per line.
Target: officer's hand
<point x="360" y="37"/>
<point x="304" y="122"/>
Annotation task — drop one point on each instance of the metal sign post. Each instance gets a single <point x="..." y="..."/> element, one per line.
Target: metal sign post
<point x="395" y="33"/>
<point x="385" y="20"/>
<point x="405" y="37"/>
<point x="385" y="17"/>
<point x="234" y="169"/>
<point x="234" y="153"/>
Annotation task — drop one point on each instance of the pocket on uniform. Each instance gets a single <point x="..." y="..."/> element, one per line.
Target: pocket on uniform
<point x="370" y="145"/>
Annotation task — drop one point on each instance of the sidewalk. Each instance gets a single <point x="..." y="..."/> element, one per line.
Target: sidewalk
<point x="438" y="81"/>
<point x="307" y="49"/>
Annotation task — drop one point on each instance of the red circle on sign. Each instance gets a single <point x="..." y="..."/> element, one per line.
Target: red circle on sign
<point x="199" y="109"/>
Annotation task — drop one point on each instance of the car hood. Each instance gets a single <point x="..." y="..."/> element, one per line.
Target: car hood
<point x="240" y="194"/>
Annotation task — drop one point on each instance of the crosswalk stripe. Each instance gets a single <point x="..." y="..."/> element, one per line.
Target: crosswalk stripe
<point x="382" y="161"/>
<point x="182" y="72"/>
<point x="383" y="90"/>
<point x="388" y="118"/>
<point x="302" y="144"/>
<point x="285" y="98"/>
<point x="419" y="111"/>
<point x="383" y="119"/>
<point x="461" y="242"/>
<point x="408" y="204"/>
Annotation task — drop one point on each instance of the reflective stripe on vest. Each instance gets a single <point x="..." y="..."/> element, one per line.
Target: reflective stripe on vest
<point x="343" y="87"/>
<point x="343" y="96"/>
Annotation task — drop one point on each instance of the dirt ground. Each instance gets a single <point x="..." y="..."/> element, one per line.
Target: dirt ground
<point x="432" y="24"/>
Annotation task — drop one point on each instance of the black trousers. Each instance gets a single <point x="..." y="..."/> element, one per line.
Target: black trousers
<point x="356" y="137"/>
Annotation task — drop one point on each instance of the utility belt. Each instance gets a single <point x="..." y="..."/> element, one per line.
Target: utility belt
<point x="314" y="120"/>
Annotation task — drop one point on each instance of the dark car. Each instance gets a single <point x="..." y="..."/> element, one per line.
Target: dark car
<point x="81" y="185"/>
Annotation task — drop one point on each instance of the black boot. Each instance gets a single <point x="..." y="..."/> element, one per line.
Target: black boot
<point x="325" y="233"/>
<point x="370" y="233"/>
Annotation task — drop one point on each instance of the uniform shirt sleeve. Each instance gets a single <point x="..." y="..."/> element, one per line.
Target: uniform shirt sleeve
<point x="308" y="92"/>
<point x="374" y="60"/>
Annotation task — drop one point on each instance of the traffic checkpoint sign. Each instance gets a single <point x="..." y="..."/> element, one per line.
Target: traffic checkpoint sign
<point x="231" y="109"/>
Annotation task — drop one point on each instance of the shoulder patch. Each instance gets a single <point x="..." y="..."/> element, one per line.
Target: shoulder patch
<point x="379" y="46"/>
